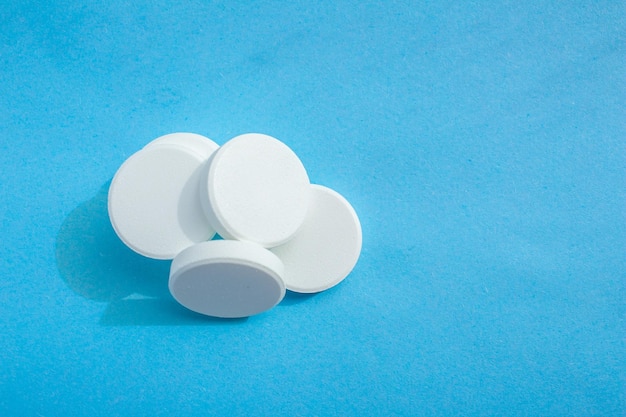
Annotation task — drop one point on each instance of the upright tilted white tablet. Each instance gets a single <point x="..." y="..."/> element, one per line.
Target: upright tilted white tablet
<point x="227" y="278"/>
<point x="153" y="198"/>
<point x="256" y="190"/>
<point x="327" y="246"/>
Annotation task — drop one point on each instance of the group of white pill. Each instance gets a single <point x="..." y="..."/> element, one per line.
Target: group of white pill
<point x="168" y="200"/>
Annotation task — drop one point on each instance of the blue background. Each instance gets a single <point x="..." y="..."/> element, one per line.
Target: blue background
<point x="481" y="143"/>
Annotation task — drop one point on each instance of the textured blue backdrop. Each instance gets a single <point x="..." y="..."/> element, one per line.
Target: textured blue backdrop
<point x="481" y="143"/>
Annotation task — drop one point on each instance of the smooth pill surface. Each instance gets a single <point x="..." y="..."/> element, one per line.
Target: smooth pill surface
<point x="327" y="246"/>
<point x="256" y="190"/>
<point x="196" y="143"/>
<point x="227" y="278"/>
<point x="153" y="201"/>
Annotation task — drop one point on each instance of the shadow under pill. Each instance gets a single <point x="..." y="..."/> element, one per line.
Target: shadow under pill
<point x="292" y="298"/>
<point x="98" y="266"/>
<point x="156" y="312"/>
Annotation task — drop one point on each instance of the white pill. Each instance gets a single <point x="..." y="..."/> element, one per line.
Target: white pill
<point x="327" y="246"/>
<point x="257" y="190"/>
<point x="227" y="278"/>
<point x="197" y="143"/>
<point x="153" y="201"/>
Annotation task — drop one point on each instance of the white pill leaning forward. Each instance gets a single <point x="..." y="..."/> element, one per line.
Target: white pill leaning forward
<point x="153" y="201"/>
<point x="256" y="190"/>
<point x="327" y="246"/>
<point x="227" y="278"/>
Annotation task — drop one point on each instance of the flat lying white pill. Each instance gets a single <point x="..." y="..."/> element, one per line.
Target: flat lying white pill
<point x="197" y="143"/>
<point x="327" y="246"/>
<point x="227" y="278"/>
<point x="257" y="190"/>
<point x="153" y="201"/>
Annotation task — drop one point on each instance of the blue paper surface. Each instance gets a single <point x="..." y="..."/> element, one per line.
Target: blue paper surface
<point x="481" y="144"/>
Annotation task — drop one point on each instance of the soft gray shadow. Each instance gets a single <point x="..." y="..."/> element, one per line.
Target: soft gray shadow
<point x="292" y="298"/>
<point x="97" y="265"/>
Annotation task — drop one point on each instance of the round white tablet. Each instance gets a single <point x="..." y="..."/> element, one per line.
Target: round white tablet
<point x="327" y="246"/>
<point x="257" y="190"/>
<point x="196" y="143"/>
<point x="227" y="278"/>
<point x="153" y="201"/>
